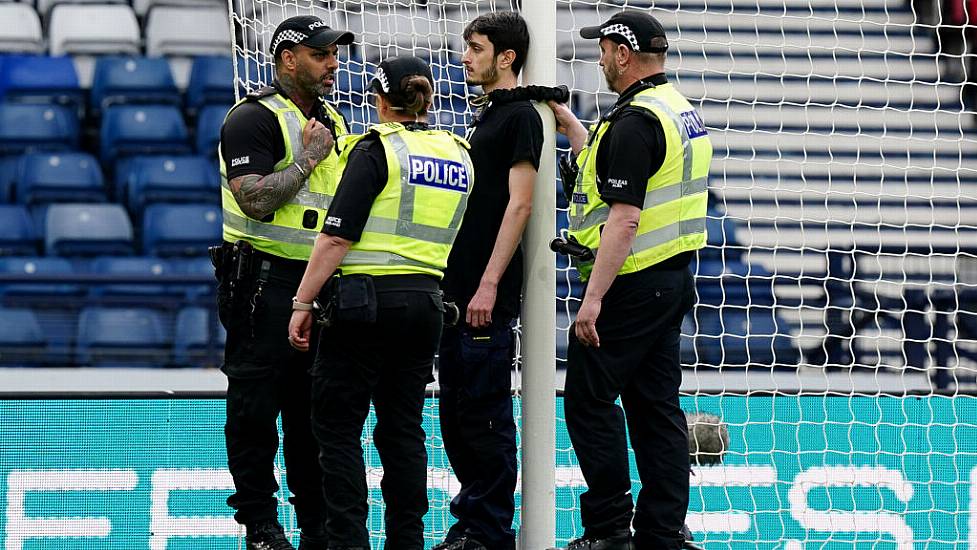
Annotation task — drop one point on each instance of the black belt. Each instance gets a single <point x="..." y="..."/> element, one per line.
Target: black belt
<point x="282" y="268"/>
<point x="406" y="283"/>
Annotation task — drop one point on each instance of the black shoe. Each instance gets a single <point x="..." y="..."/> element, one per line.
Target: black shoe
<point x="460" y="543"/>
<point x="619" y="542"/>
<point x="314" y="538"/>
<point x="689" y="543"/>
<point x="267" y="535"/>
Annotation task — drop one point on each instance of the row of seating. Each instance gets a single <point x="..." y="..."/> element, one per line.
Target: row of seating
<point x="199" y="29"/>
<point x="111" y="337"/>
<point x="126" y="130"/>
<point x="105" y="229"/>
<point x="116" y="79"/>
<point x="72" y="176"/>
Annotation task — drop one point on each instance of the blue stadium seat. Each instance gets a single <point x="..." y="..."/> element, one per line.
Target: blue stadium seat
<point x="132" y="266"/>
<point x="40" y="79"/>
<point x="171" y="179"/>
<point x="449" y="75"/>
<point x="211" y="82"/>
<point x="59" y="177"/>
<point x="29" y="267"/>
<point x="17" y="236"/>
<point x="359" y="117"/>
<point x="22" y="342"/>
<point x="731" y="282"/>
<point x="209" y="124"/>
<point x="180" y="229"/>
<point x="142" y="130"/>
<point x="87" y="230"/>
<point x="8" y="173"/>
<point x="198" y="339"/>
<point x="737" y="336"/>
<point x="121" y="337"/>
<point x="195" y="268"/>
<point x="37" y="127"/>
<point x="127" y="79"/>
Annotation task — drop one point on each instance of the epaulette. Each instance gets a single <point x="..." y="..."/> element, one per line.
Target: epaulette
<point x="261" y="93"/>
<point x="386" y="128"/>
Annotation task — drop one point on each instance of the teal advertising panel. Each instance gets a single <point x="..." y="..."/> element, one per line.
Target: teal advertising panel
<point x="801" y="473"/>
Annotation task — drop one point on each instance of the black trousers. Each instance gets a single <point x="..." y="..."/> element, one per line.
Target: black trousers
<point x="389" y="362"/>
<point x="638" y="361"/>
<point x="265" y="378"/>
<point x="479" y="432"/>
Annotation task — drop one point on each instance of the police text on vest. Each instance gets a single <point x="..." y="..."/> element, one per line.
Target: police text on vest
<point x="441" y="173"/>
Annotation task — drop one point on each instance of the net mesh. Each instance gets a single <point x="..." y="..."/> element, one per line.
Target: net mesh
<point x="840" y="275"/>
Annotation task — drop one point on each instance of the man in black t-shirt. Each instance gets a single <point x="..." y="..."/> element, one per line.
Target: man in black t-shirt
<point x="484" y="278"/>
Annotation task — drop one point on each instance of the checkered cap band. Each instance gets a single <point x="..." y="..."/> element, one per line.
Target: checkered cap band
<point x="383" y="80"/>
<point x="291" y="36"/>
<point x="624" y="31"/>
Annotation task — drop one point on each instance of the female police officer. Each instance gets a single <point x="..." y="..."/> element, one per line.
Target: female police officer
<point x="387" y="237"/>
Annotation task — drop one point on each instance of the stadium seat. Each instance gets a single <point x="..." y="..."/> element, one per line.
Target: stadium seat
<point x="198" y="339"/>
<point x="20" y="29"/>
<point x="172" y="179"/>
<point x="211" y="82"/>
<point x="143" y="7"/>
<point x="37" y="127"/>
<point x="8" y="173"/>
<point x="136" y="267"/>
<point x="182" y="33"/>
<point x="84" y="31"/>
<point x="180" y="229"/>
<point x="120" y="79"/>
<point x="196" y="269"/>
<point x="29" y="267"/>
<point x="93" y="30"/>
<point x="737" y="337"/>
<point x="40" y="79"/>
<point x="87" y="230"/>
<point x="22" y="342"/>
<point x="44" y="7"/>
<point x="731" y="282"/>
<point x="142" y="130"/>
<point x="209" y="124"/>
<point x="17" y="236"/>
<point x="59" y="177"/>
<point x="121" y="337"/>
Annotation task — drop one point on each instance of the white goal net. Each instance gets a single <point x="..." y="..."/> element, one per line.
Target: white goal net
<point x="836" y="330"/>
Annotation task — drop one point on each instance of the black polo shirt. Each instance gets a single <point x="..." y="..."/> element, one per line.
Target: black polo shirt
<point x="252" y="140"/>
<point x="631" y="151"/>
<point x="503" y="135"/>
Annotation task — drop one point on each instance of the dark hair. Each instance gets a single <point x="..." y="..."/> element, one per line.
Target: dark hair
<point x="413" y="96"/>
<point x="506" y="30"/>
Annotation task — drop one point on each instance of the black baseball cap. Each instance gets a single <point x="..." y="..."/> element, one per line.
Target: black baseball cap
<point x="392" y="71"/>
<point x="633" y="28"/>
<point x="307" y="30"/>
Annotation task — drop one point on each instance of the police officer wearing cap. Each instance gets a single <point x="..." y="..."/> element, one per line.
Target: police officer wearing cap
<point x="277" y="162"/>
<point x="383" y="249"/>
<point x="639" y="204"/>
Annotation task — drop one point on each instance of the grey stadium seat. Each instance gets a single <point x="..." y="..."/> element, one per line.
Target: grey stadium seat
<point x="93" y="29"/>
<point x="20" y="29"/>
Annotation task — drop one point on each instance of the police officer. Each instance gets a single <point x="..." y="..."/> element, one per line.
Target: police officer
<point x="639" y="204"/>
<point x="277" y="160"/>
<point x="385" y="244"/>
<point x="484" y="277"/>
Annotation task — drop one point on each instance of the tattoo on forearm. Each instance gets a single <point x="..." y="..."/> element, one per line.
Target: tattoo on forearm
<point x="259" y="196"/>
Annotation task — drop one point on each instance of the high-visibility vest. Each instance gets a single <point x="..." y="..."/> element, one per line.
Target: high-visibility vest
<point x="673" y="217"/>
<point x="291" y="230"/>
<point x="414" y="220"/>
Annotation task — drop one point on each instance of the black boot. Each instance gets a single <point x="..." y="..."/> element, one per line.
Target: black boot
<point x="314" y="538"/>
<point x="689" y="543"/>
<point x="617" y="542"/>
<point x="460" y="543"/>
<point x="267" y="535"/>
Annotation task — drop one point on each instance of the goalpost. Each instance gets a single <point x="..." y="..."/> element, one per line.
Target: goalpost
<point x="836" y="328"/>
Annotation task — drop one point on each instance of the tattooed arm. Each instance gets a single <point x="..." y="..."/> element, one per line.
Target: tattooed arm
<point x="259" y="196"/>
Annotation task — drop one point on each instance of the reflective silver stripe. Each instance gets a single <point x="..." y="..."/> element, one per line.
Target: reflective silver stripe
<point x="682" y="130"/>
<point x="372" y="257"/>
<point x="653" y="198"/>
<point x="664" y="234"/>
<point x="293" y="125"/>
<point x="403" y="226"/>
<point x="289" y="235"/>
<point x="463" y="203"/>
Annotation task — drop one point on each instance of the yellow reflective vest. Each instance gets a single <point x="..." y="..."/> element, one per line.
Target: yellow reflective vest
<point x="415" y="218"/>
<point x="291" y="230"/>
<point x="673" y="217"/>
